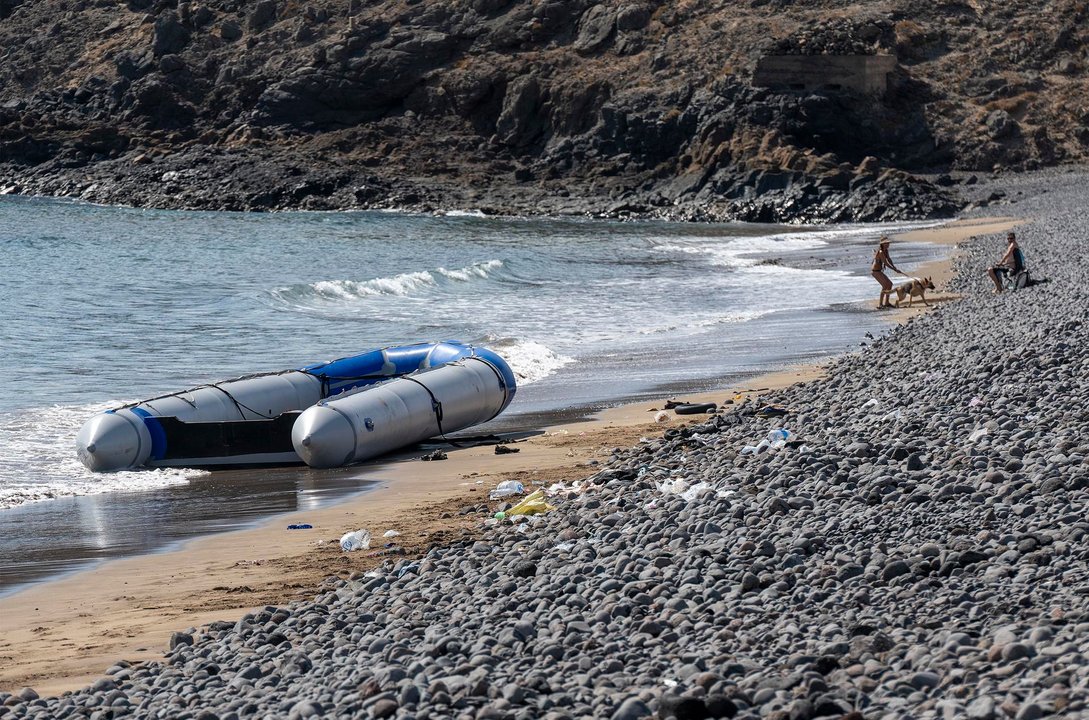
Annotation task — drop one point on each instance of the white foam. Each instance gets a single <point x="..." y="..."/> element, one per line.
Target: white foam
<point x="465" y="274"/>
<point x="683" y="249"/>
<point x="852" y="232"/>
<point x="402" y="285"/>
<point x="465" y="213"/>
<point x="737" y="251"/>
<point x="530" y="361"/>
<point x="741" y="252"/>
<point x="44" y="439"/>
<point x="691" y="324"/>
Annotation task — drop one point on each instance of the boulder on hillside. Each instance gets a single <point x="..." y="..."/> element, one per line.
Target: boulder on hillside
<point x="171" y="37"/>
<point x="312" y="99"/>
<point x="152" y="101"/>
<point x="596" y="29"/>
<point x="263" y="14"/>
<point x="230" y="30"/>
<point x="519" y="122"/>
<point x="632" y="17"/>
<point x="1000" y="124"/>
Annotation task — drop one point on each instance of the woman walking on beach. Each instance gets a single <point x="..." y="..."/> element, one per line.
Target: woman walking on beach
<point x="881" y="260"/>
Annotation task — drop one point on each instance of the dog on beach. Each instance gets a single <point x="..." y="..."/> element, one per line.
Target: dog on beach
<point x="915" y="289"/>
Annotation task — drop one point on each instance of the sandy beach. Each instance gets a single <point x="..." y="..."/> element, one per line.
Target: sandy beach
<point x="63" y="634"/>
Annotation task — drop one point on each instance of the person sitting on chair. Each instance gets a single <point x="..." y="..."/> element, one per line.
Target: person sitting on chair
<point x="1011" y="264"/>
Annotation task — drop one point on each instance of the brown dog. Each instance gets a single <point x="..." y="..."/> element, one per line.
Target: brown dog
<point x="915" y="289"/>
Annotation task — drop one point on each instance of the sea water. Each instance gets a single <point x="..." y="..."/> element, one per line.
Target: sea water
<point x="101" y="306"/>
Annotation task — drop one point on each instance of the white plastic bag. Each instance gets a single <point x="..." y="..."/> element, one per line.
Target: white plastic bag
<point x="358" y="540"/>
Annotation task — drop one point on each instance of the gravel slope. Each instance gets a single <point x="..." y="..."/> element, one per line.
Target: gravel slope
<point x="924" y="554"/>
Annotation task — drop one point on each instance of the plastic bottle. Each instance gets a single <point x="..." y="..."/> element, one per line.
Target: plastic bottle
<point x="778" y="438"/>
<point x="358" y="540"/>
<point x="506" y="489"/>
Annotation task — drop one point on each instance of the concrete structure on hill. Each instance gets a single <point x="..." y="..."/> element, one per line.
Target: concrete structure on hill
<point x="867" y="74"/>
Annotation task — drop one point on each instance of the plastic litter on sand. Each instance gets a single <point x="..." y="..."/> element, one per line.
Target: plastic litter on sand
<point x="978" y="434"/>
<point x="358" y="540"/>
<point x="682" y="487"/>
<point x="506" y="489"/>
<point x="774" y="440"/>
<point x="531" y="505"/>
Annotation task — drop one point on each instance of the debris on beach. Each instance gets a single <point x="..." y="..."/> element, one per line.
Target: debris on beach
<point x="684" y="489"/>
<point x="531" y="505"/>
<point x="771" y="411"/>
<point x="774" y="440"/>
<point x="358" y="540"/>
<point x="695" y="408"/>
<point x="435" y="455"/>
<point x="506" y="489"/>
<point x="576" y="487"/>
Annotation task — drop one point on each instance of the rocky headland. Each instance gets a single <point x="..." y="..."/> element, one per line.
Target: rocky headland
<point x="640" y="108"/>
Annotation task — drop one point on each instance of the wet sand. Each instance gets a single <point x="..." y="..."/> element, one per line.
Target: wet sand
<point x="65" y="633"/>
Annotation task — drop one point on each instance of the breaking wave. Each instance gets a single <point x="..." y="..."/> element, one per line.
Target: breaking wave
<point x="42" y="438"/>
<point x="402" y="285"/>
<point x="530" y="361"/>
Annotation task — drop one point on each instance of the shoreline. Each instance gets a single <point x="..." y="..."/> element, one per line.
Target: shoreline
<point x="67" y="632"/>
<point x="103" y="614"/>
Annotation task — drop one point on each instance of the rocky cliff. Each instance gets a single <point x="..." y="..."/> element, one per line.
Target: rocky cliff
<point x="640" y="108"/>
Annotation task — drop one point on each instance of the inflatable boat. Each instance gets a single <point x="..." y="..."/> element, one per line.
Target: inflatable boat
<point x="363" y="425"/>
<point x="250" y="420"/>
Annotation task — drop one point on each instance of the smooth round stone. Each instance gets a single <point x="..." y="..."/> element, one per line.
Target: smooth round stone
<point x="924" y="680"/>
<point x="982" y="708"/>
<point x="1016" y="651"/>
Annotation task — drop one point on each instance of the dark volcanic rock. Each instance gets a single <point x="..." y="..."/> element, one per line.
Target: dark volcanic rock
<point x="596" y="28"/>
<point x="520" y="122"/>
<point x="264" y="12"/>
<point x="610" y="108"/>
<point x="171" y="36"/>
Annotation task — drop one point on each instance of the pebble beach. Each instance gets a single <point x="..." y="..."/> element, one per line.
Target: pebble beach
<point x="918" y="549"/>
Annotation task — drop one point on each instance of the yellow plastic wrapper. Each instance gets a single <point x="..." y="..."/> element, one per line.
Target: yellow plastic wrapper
<point x="531" y="505"/>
